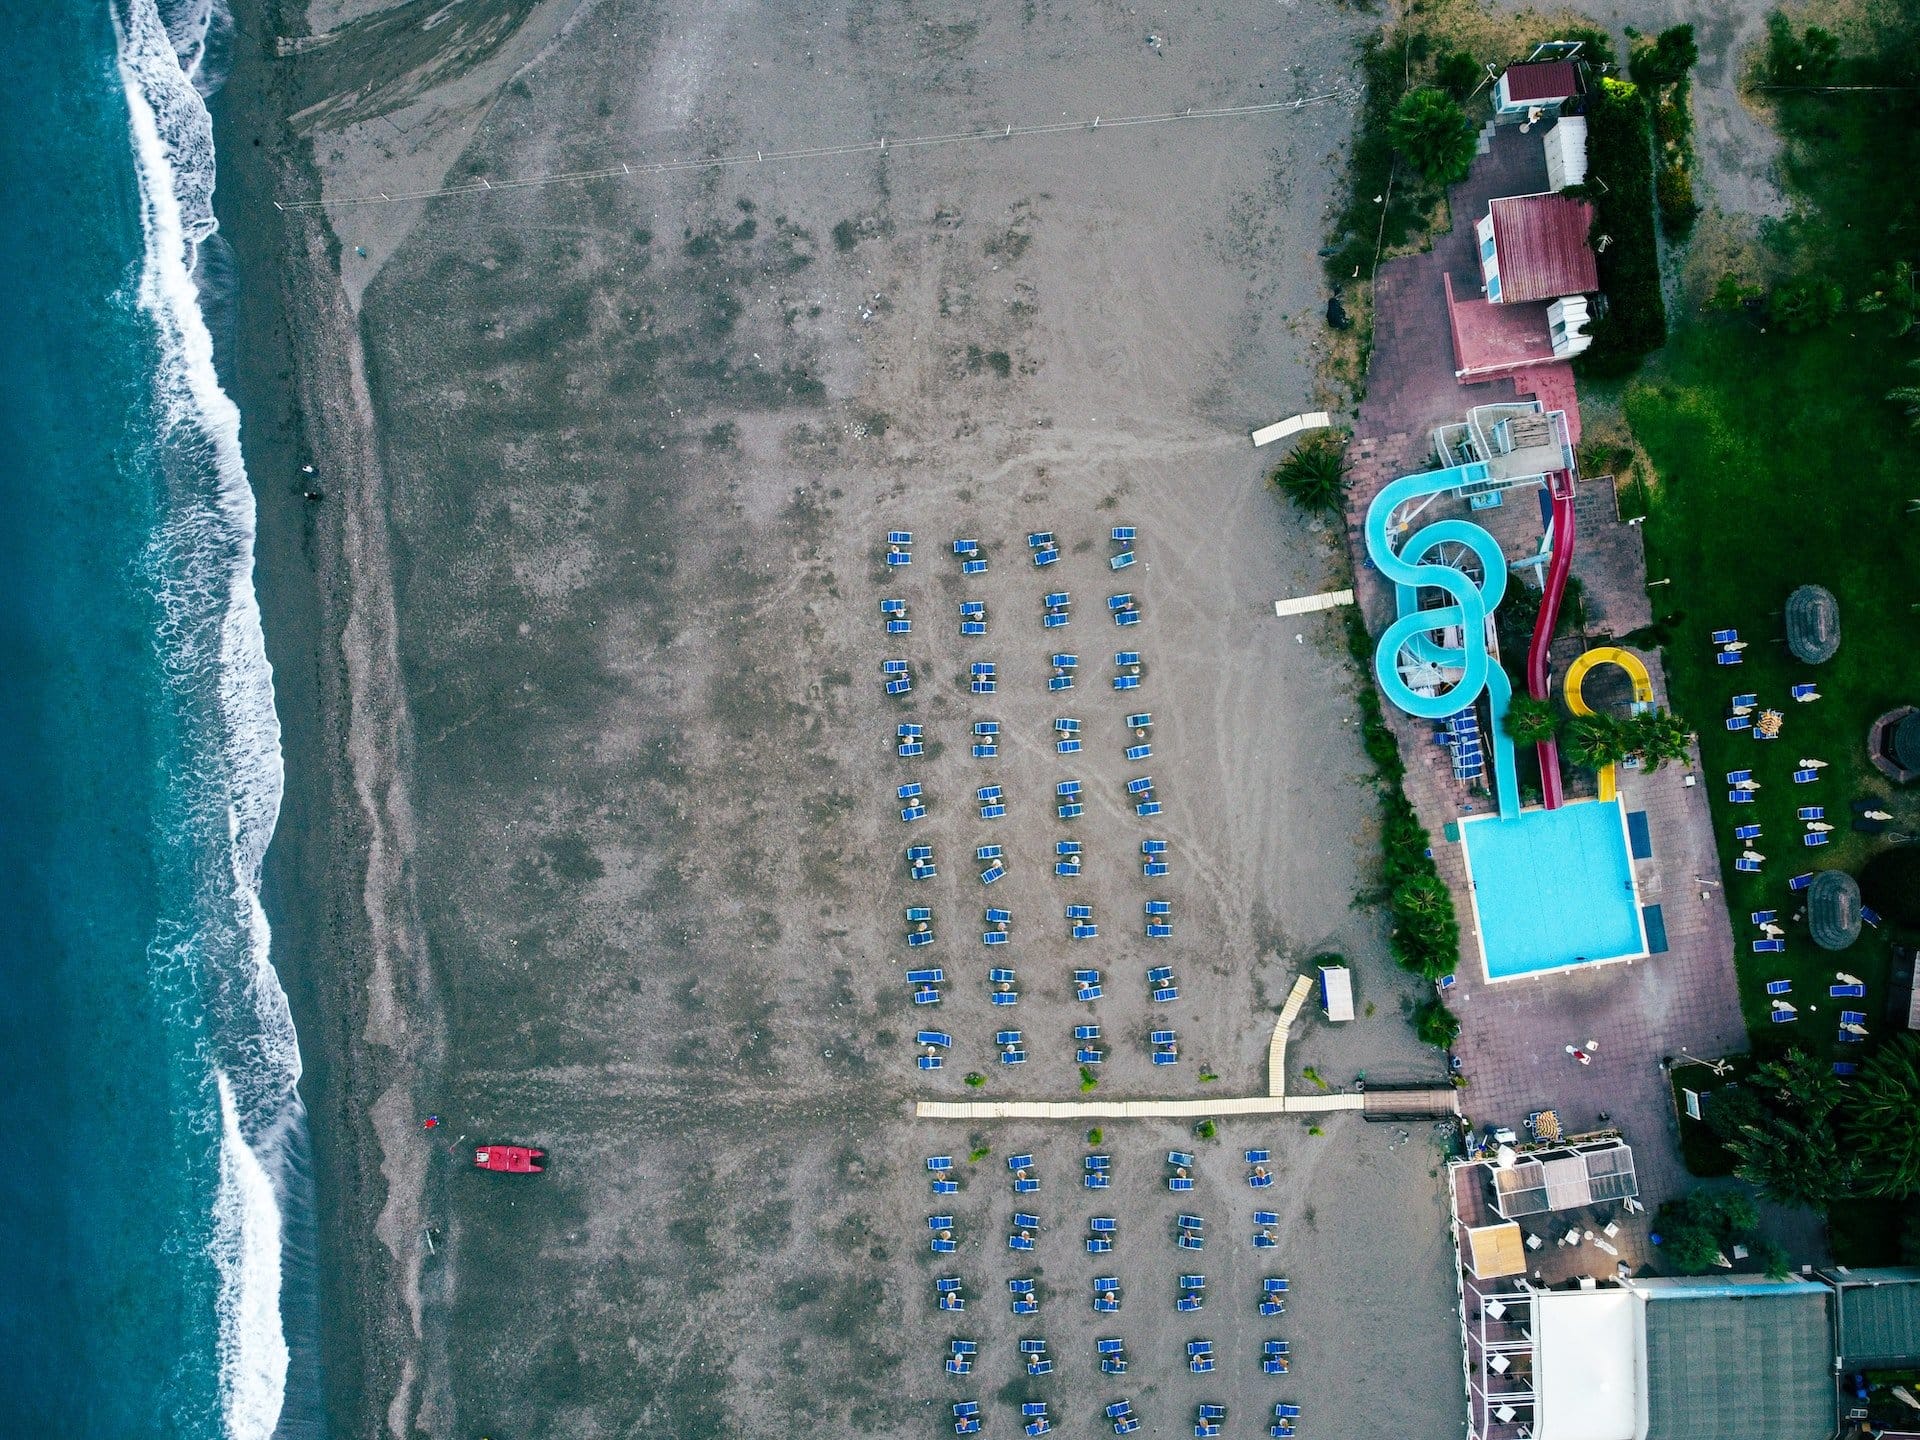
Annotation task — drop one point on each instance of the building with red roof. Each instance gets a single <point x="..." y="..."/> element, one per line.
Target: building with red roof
<point x="1543" y="85"/>
<point x="1534" y="247"/>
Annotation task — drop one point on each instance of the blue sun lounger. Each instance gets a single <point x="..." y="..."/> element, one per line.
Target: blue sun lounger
<point x="1729" y="657"/>
<point x="1139" y="752"/>
<point x="939" y="1163"/>
<point x="1800" y="882"/>
<point x="1038" y="538"/>
<point x="928" y="1062"/>
<point x="899" y="557"/>
<point x="1140" y="785"/>
<point x="1739" y="797"/>
<point x="1870" y="916"/>
<point x="1739" y="722"/>
<point x="1812" y="812"/>
<point x="1072" y="810"/>
<point x="1121" y="561"/>
<point x="1155" y="869"/>
<point x="1853" y="1017"/>
<point x="1166" y="1057"/>
<point x="973" y="627"/>
<point x="1188" y="1304"/>
<point x="1746" y="832"/>
<point x="1085" y="931"/>
<point x="1160" y="975"/>
<point x="1286" y="1412"/>
<point x="1159" y="907"/>
<point x="1847" y="992"/>
<point x="1769" y="947"/>
<point x="1123" y="534"/>
<point x="1779" y="987"/>
<point x="1746" y="866"/>
<point x="1053" y="619"/>
<point x="1067" y="867"/>
<point x="1127" y="617"/>
<point x="1802" y="692"/>
<point x="966" y="547"/>
<point x="1058" y="600"/>
<point x="1258" y="1157"/>
<point x="1126" y="682"/>
<point x="1725" y="637"/>
<point x="1805" y="777"/>
<point x="1762" y="917"/>
<point x="1147" y="809"/>
<point x="1814" y="837"/>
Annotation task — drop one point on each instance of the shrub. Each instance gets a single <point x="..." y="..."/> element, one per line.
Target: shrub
<point x="1206" y="1130"/>
<point x="1459" y="74"/>
<point x="1087" y="1079"/>
<point x="1096" y="1135"/>
<point x="1433" y="131"/>
<point x="1678" y="208"/>
<point x="1435" y="1024"/>
<point x="1314" y="476"/>
<point x="1799" y="59"/>
<point x="1805" y="304"/>
<point x="1620" y="172"/>
<point x="978" y="1153"/>
<point x="1667" y="59"/>
<point x="975" y="1080"/>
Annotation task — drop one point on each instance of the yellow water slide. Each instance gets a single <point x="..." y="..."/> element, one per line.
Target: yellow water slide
<point x="1576" y="677"/>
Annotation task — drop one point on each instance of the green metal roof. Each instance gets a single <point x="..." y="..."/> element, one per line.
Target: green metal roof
<point x="1740" y="1366"/>
<point x="1879" y="1318"/>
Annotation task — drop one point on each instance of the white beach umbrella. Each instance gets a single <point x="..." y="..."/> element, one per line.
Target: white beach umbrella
<point x="1753" y="855"/>
<point x="1818" y="827"/>
<point x="1846" y="979"/>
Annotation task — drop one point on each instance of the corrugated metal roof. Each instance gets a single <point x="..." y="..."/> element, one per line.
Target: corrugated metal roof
<point x="1879" y="1318"/>
<point x="1738" y="1367"/>
<point x="1542" y="247"/>
<point x="1548" y="80"/>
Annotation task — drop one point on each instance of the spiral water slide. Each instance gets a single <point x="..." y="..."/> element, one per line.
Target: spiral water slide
<point x="1417" y="637"/>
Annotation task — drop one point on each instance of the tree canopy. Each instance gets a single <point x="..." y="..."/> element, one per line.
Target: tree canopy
<point x="1434" y="132"/>
<point x="1881" y="1119"/>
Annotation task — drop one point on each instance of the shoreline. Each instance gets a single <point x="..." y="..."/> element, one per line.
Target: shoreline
<point x="315" y="867"/>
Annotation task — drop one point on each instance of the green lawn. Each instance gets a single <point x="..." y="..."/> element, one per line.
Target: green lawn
<point x="1781" y="463"/>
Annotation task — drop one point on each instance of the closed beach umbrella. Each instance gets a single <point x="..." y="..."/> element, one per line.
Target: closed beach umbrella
<point x="1818" y="827"/>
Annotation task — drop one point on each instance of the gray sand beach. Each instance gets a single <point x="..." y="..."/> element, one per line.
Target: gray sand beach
<point x="591" y="840"/>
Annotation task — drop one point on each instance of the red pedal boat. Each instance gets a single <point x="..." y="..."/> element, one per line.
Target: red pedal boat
<point x="515" y="1159"/>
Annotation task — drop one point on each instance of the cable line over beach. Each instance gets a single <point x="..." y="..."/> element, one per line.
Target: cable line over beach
<point x="628" y="169"/>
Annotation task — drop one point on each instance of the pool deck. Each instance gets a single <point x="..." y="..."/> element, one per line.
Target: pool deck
<point x="1514" y="1032"/>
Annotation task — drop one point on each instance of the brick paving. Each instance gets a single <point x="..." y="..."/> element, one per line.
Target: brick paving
<point x="1678" y="1004"/>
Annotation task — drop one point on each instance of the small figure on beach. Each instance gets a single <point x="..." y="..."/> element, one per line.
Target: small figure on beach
<point x="430" y="1122"/>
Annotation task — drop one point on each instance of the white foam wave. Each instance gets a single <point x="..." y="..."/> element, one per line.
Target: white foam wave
<point x="246" y="1250"/>
<point x="202" y="567"/>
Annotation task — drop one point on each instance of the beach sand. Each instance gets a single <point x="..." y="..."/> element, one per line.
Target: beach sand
<point x="590" y="839"/>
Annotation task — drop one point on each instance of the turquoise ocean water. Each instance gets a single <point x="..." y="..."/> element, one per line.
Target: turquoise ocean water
<point x="154" y="1141"/>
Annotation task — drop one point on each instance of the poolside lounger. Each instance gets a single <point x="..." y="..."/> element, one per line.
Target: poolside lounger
<point x="917" y="938"/>
<point x="899" y="557"/>
<point x="1739" y="797"/>
<point x="1213" y="1412"/>
<point x="908" y="792"/>
<point x="1870" y="916"/>
<point x="1801" y="692"/>
<point x="956" y="1364"/>
<point x="973" y="609"/>
<point x="1201" y="1364"/>
<point x="947" y="1284"/>
<point x="938" y="1163"/>
<point x="925" y="977"/>
<point x="985" y="687"/>
<point x="1180" y="1159"/>
<point x="1153" y="847"/>
<point x="1853" y="1017"/>
<point x="986" y="727"/>
<point x="1004" y="997"/>
<point x="1779" y="987"/>
<point x="1086" y="1032"/>
<point x="981" y="668"/>
<point x="1275" y="1285"/>
<point x="1805" y="777"/>
<point x="1746" y="866"/>
<point x="1120" y="601"/>
<point x="1000" y="976"/>
<point x="1762" y="917"/>
<point x="988" y="852"/>
<point x="1725" y="637"/>
<point x="1743" y="702"/>
<point x="1847" y="992"/>
<point x="911" y="748"/>
<point x="993" y="872"/>
<point x="1769" y="947"/>
<point x="1161" y="1037"/>
<point x="1058" y="600"/>
<point x="1729" y="657"/>
<point x="1812" y="812"/>
<point x="994" y="937"/>
<point x="1013" y="1055"/>
<point x="893" y="607"/>
<point x="1064" y="661"/>
<point x="1746" y="832"/>
<point x="1160" y="975"/>
<point x="999" y="917"/>
<point x="1813" y="838"/>
<point x="1067" y="725"/>
<point x="1783" y="1017"/>
<point x="1033" y="1347"/>
<point x="985" y="751"/>
<point x="913" y="812"/>
<point x="1734" y="777"/>
<point x="1088" y="990"/>
<point x="1089" y="1055"/>
<point x="1045" y="557"/>
<point x="1187" y="1304"/>
<point x="1139" y="752"/>
<point x="1800" y="882"/>
<point x="1739" y="722"/>
<point x="1273" y="1365"/>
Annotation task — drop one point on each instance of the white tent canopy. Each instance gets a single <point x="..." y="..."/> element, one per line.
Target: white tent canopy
<point x="1589" y="1365"/>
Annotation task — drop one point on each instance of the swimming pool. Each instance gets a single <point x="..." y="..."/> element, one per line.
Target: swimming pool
<point x="1553" y="889"/>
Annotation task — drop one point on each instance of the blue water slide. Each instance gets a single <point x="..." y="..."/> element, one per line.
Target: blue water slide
<point x="1416" y="633"/>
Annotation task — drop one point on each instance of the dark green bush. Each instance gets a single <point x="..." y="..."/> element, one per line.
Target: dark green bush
<point x="1678" y="208"/>
<point x="1620" y="183"/>
<point x="1799" y="59"/>
<point x="1667" y="59"/>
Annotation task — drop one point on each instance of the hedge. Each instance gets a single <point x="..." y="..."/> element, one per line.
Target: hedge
<point x="1620" y="185"/>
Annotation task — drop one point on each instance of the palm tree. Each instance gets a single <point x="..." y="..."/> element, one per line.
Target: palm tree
<point x="1595" y="741"/>
<point x="1435" y="1024"/>
<point x="1881" y="1117"/>
<point x="1660" y="736"/>
<point x="1793" y="1151"/>
<point x="1314" y="476"/>
<point x="1908" y="396"/>
<point x="1895" y="292"/>
<point x="1434" y="133"/>
<point x="1530" y="721"/>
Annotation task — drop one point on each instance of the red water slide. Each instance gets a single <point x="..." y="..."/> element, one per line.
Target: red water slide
<point x="1537" y="651"/>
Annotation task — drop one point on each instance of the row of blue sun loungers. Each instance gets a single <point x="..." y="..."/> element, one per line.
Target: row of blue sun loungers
<point x="967" y="552"/>
<point x="1460" y="733"/>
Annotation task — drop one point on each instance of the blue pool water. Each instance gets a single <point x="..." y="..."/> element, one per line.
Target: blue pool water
<point x="1553" y="889"/>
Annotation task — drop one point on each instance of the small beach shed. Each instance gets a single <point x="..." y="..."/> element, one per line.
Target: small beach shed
<point x="1336" y="992"/>
<point x="1543" y="85"/>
